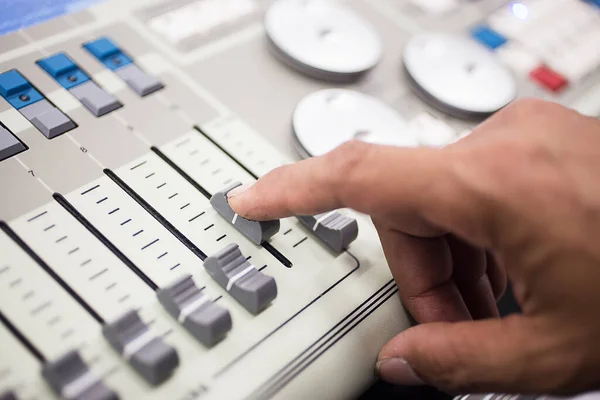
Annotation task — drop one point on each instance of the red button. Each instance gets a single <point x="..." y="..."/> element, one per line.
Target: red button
<point x="548" y="78"/>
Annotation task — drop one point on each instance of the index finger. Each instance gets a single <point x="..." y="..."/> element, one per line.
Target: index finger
<point x="421" y="189"/>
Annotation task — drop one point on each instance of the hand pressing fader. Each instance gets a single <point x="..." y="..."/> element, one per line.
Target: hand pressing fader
<point x="519" y="197"/>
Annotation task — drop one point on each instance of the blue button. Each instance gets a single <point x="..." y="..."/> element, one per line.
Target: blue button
<point x="57" y="64"/>
<point x="63" y="70"/>
<point x="17" y="90"/>
<point x="12" y="82"/>
<point x="488" y="37"/>
<point x="102" y="48"/>
<point x="107" y="53"/>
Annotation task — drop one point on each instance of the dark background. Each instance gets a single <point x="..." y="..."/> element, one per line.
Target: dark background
<point x="383" y="391"/>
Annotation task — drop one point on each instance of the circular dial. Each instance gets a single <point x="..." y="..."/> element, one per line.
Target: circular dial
<point x="458" y="75"/>
<point x="322" y="39"/>
<point x="325" y="119"/>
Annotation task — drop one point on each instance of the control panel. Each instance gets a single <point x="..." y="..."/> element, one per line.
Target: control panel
<point x="124" y="272"/>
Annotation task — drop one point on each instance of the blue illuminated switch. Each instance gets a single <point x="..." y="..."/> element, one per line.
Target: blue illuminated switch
<point x="61" y="68"/>
<point x="116" y="60"/>
<point x="17" y="90"/>
<point x="108" y="53"/>
<point x="21" y="94"/>
<point x="488" y="37"/>
<point x="75" y="80"/>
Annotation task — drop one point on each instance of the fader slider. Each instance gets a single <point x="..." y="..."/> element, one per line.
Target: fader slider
<point x="257" y="231"/>
<point x="207" y="321"/>
<point x="246" y="284"/>
<point x="71" y="378"/>
<point x="333" y="228"/>
<point x="147" y="353"/>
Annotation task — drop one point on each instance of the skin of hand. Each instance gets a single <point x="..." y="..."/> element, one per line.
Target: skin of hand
<point x="517" y="199"/>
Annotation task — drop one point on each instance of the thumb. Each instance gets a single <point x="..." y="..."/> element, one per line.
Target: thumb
<point x="511" y="355"/>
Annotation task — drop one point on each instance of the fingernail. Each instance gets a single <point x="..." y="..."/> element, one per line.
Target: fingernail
<point x="239" y="190"/>
<point x="397" y="371"/>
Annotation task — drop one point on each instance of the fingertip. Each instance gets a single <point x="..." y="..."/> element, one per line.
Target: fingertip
<point x="240" y="200"/>
<point x="239" y="190"/>
<point x="398" y="371"/>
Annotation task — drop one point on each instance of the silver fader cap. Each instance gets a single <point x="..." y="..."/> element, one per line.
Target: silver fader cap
<point x="206" y="321"/>
<point x="95" y="99"/>
<point x="248" y="286"/>
<point x="70" y="378"/>
<point x="334" y="228"/>
<point x="142" y="83"/>
<point x="257" y="231"/>
<point x="147" y="353"/>
<point x="47" y="118"/>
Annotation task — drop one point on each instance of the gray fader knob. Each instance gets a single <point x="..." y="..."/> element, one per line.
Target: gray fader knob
<point x="248" y="286"/>
<point x="334" y="228"/>
<point x="147" y="353"/>
<point x="70" y="378"/>
<point x="257" y="231"/>
<point x="206" y="321"/>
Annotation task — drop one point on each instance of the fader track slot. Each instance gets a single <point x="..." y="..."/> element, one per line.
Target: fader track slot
<point x="228" y="154"/>
<point x="181" y="172"/>
<point x="152" y="211"/>
<point x="277" y="254"/>
<point x="79" y="217"/>
<point x="267" y="246"/>
<point x="24" y="341"/>
<point x="15" y="238"/>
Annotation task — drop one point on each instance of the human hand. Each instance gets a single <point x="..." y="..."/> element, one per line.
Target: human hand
<point x="520" y="195"/>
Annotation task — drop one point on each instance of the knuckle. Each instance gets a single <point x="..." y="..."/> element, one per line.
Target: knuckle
<point x="346" y="160"/>
<point x="522" y="111"/>
<point x="347" y="155"/>
<point x="505" y="159"/>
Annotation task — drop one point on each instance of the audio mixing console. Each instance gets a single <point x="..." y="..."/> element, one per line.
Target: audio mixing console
<point x="124" y="274"/>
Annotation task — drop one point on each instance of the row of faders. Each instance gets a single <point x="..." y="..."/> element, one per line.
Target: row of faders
<point x="207" y="321"/>
<point x="69" y="376"/>
<point x="21" y="94"/>
<point x="146" y="351"/>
